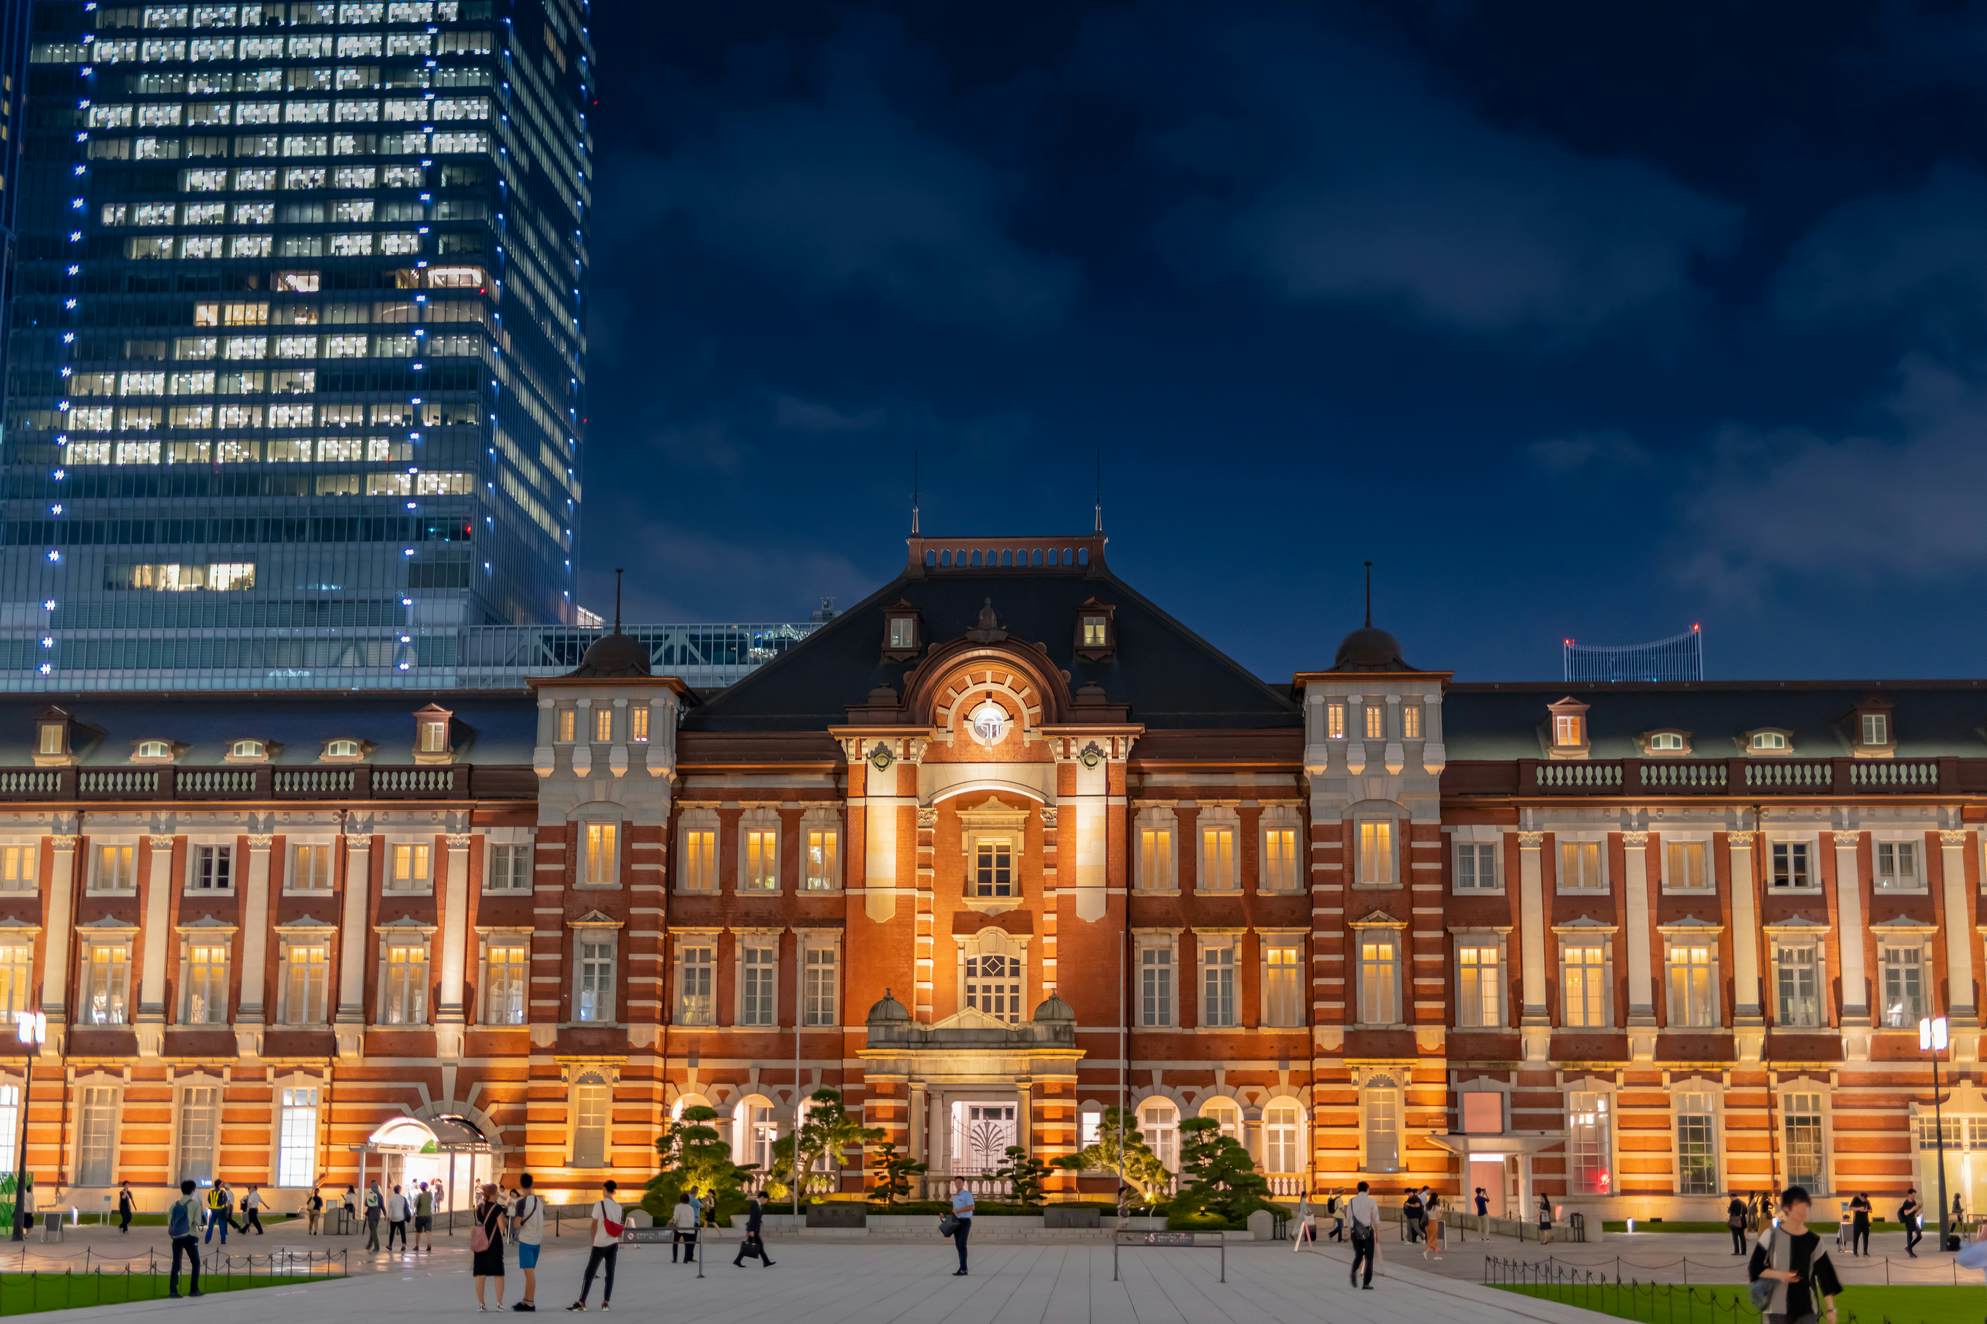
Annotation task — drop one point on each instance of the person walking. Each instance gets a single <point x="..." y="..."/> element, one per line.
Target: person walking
<point x="424" y="1219"/>
<point x="1911" y="1214"/>
<point x="1363" y="1212"/>
<point x="375" y="1210"/>
<point x="605" y="1224"/>
<point x="1483" y="1213"/>
<point x="1545" y="1220"/>
<point x="1411" y="1217"/>
<point x="683" y="1224"/>
<point x="486" y="1244"/>
<point x="754" y="1244"/>
<point x="1791" y="1255"/>
<point x="1735" y="1223"/>
<point x="183" y="1228"/>
<point x="1859" y="1224"/>
<point x="1431" y="1224"/>
<point x="126" y="1206"/>
<point x="397" y="1212"/>
<point x="1335" y="1210"/>
<point x="1307" y="1224"/>
<point x="528" y="1231"/>
<point x="962" y="1221"/>
<point x="251" y="1210"/>
<point x="314" y="1211"/>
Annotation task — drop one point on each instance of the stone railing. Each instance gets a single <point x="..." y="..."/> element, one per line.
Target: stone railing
<point x="263" y="782"/>
<point x="1747" y="777"/>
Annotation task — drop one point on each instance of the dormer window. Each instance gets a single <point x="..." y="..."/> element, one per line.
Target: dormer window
<point x="52" y="744"/>
<point x="343" y="750"/>
<point x="1872" y="729"/>
<point x="248" y="751"/>
<point x="1096" y="630"/>
<point x="1566" y="728"/>
<point x="152" y="751"/>
<point x="431" y="735"/>
<point x="900" y="630"/>
<point x="1666" y="742"/>
<point x="1768" y="741"/>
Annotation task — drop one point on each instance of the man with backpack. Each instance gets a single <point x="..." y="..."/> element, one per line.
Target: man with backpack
<point x="528" y="1231"/>
<point x="605" y="1224"/>
<point x="183" y="1227"/>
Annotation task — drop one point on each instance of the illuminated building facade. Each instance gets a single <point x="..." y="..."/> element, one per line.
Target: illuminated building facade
<point x="996" y="849"/>
<point x="297" y="367"/>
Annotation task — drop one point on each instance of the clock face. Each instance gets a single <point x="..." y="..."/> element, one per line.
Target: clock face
<point x="988" y="723"/>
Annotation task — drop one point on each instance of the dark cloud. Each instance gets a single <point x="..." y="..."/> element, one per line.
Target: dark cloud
<point x="1361" y="180"/>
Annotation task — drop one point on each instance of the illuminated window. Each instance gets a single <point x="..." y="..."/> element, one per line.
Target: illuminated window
<point x="699" y="860"/>
<point x="1797" y="983"/>
<point x="1585" y="997"/>
<point x="1335" y="720"/>
<point x="1580" y="867"/>
<point x="305" y="975"/>
<point x="1376" y="852"/>
<point x="991" y="976"/>
<point x="1479" y="985"/>
<point x="114" y="869"/>
<point x="403" y="998"/>
<point x="106" y="981"/>
<point x="824" y="859"/>
<point x="1379" y="977"/>
<point x="17" y="866"/>
<point x="1096" y="630"/>
<point x="602" y="861"/>
<point x="1411" y="720"/>
<point x="1283" y="970"/>
<point x="1217" y="853"/>
<point x="638" y="724"/>
<point x="603" y="725"/>
<point x="296" y="1137"/>
<point x="1569" y="730"/>
<point x="506" y="980"/>
<point x="1693" y="985"/>
<point x="568" y="721"/>
<point x="1903" y="967"/>
<point x="1589" y="1142"/>
<point x="310" y="868"/>
<point x="16" y="976"/>
<point x="1376" y="721"/>
<point x="1279" y="865"/>
<point x="408" y="867"/>
<point x="1380" y="1124"/>
<point x="1687" y="866"/>
<point x="760" y="855"/>
<point x="1283" y="1137"/>
<point x="1158" y="867"/>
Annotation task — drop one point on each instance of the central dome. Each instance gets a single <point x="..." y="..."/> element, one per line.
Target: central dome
<point x="1370" y="649"/>
<point x="615" y="657"/>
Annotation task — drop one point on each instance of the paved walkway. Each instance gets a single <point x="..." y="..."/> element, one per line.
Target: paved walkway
<point x="910" y="1283"/>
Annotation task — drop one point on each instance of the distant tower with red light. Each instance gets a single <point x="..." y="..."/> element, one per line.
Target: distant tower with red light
<point x="1677" y="658"/>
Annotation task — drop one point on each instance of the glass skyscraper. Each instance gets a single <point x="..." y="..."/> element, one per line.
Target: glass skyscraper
<point x="297" y="375"/>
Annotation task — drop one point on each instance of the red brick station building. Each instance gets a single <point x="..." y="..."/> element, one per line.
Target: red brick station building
<point x="1001" y="847"/>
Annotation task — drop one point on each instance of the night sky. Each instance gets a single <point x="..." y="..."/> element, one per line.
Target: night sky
<point x="1578" y="319"/>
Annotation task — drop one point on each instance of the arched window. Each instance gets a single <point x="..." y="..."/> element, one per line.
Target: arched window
<point x="248" y="750"/>
<point x="1283" y="1137"/>
<point x="1159" y="1123"/>
<point x="152" y="751"/>
<point x="754" y="1128"/>
<point x="593" y="1103"/>
<point x="1226" y="1112"/>
<point x="685" y="1102"/>
<point x="1380" y="1123"/>
<point x="342" y="750"/>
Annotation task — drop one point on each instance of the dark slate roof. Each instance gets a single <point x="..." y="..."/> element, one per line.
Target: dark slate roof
<point x="491" y="727"/>
<point x="1929" y="718"/>
<point x="1162" y="673"/>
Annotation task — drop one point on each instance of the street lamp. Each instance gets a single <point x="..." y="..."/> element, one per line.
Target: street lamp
<point x="32" y="1027"/>
<point x="1933" y="1039"/>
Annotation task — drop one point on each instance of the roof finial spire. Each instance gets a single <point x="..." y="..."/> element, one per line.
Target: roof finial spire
<point x="914" y="493"/>
<point x="1100" y="489"/>
<point x="1369" y="595"/>
<point x="617" y="599"/>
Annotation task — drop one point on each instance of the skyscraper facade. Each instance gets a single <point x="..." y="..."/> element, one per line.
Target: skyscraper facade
<point x="298" y="361"/>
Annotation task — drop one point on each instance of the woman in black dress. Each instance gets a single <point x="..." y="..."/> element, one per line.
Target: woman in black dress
<point x="486" y="1244"/>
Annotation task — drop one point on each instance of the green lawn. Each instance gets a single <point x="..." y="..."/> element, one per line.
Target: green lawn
<point x="21" y="1293"/>
<point x="1724" y="1305"/>
<point x="1827" y="1230"/>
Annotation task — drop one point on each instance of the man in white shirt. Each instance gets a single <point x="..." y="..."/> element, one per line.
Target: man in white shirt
<point x="1363" y="1211"/>
<point x="528" y="1231"/>
<point x="605" y="1225"/>
<point x="396" y="1220"/>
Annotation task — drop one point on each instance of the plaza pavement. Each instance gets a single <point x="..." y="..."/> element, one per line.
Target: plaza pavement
<point x="877" y="1282"/>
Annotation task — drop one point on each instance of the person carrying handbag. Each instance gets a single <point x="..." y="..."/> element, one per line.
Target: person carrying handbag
<point x="1793" y="1279"/>
<point x="486" y="1244"/>
<point x="605" y="1225"/>
<point x="754" y="1244"/>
